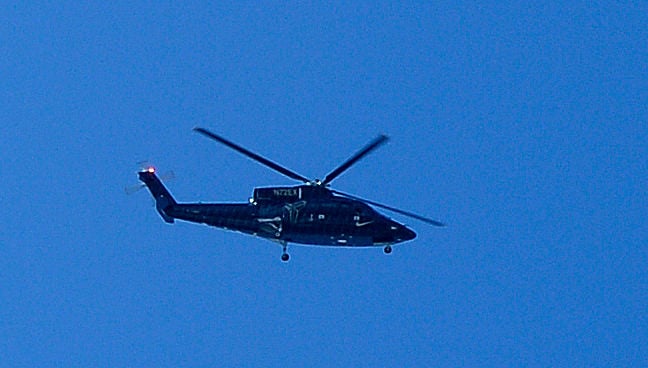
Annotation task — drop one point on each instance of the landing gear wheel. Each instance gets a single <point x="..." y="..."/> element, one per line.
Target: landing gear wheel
<point x="284" y="256"/>
<point x="388" y="249"/>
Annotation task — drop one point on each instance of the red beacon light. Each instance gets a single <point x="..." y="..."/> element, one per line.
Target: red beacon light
<point x="151" y="169"/>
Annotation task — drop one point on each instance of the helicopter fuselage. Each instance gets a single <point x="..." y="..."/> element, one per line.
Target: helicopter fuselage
<point x="302" y="214"/>
<point x="310" y="213"/>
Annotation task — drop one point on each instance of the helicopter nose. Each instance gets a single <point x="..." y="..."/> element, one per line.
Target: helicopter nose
<point x="402" y="233"/>
<point x="409" y="234"/>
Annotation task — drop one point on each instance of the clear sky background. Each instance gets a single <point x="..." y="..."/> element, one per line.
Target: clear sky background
<point x="523" y="127"/>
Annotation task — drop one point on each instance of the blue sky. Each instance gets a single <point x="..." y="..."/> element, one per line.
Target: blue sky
<point x="523" y="127"/>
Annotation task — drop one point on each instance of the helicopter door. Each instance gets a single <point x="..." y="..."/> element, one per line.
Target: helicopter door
<point x="291" y="212"/>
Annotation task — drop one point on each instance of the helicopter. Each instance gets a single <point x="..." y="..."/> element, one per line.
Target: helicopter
<point x="310" y="213"/>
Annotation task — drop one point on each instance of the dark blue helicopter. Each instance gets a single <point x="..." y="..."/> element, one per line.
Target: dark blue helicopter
<point x="310" y="213"/>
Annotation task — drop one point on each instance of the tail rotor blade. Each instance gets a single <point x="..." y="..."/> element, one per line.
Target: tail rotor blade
<point x="133" y="189"/>
<point x="168" y="176"/>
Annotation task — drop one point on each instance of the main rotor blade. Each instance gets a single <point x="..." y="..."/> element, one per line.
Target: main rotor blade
<point x="251" y="155"/>
<point x="393" y="209"/>
<point x="355" y="158"/>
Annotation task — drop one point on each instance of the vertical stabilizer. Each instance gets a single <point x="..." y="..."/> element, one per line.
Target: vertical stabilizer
<point x="163" y="199"/>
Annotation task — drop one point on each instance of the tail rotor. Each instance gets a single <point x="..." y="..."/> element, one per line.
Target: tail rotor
<point x="146" y="166"/>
